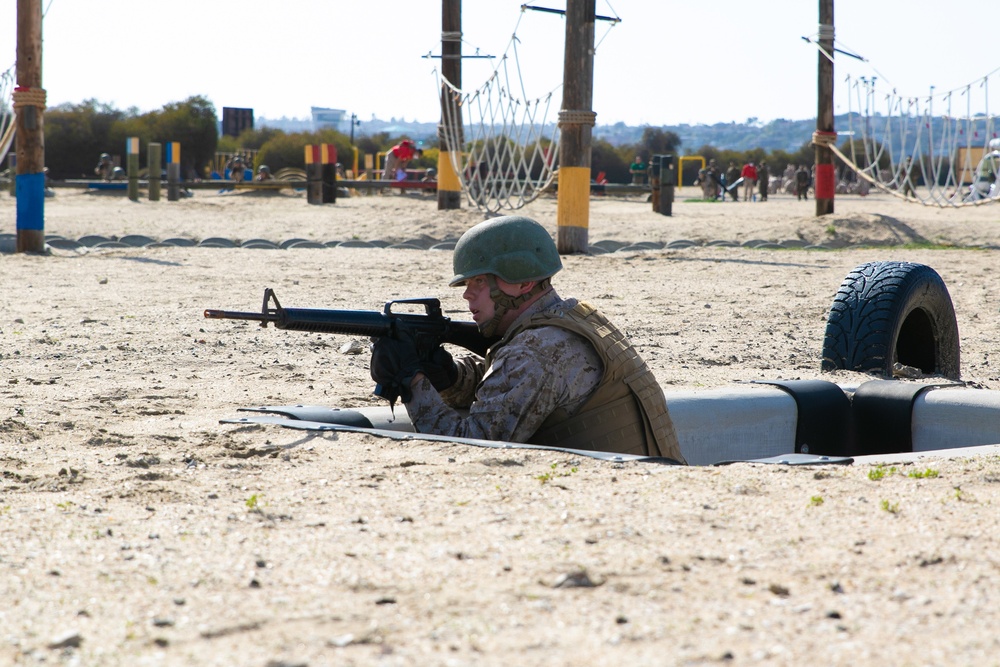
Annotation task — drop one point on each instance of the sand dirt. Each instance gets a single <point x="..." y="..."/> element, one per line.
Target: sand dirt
<point x="137" y="530"/>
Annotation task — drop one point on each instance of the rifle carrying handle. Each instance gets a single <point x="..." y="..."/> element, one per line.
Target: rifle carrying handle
<point x="432" y="305"/>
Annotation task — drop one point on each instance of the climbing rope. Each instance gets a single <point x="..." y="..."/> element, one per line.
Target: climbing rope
<point x="924" y="150"/>
<point x="29" y="97"/>
<point x="500" y="150"/>
<point x="7" y="112"/>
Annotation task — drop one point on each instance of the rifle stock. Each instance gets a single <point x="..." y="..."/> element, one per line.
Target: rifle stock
<point x="429" y="329"/>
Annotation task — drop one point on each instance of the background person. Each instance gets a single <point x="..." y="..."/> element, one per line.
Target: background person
<point x="638" y="171"/>
<point x="763" y="180"/>
<point x="732" y="175"/>
<point x="802" y="181"/>
<point x="105" y="167"/>
<point x="397" y="158"/>
<point x="237" y="168"/>
<point x="749" y="175"/>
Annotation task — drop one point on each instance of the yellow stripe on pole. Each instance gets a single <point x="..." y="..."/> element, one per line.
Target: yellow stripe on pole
<point x="574" y="197"/>
<point x="132" y="145"/>
<point x="447" y="178"/>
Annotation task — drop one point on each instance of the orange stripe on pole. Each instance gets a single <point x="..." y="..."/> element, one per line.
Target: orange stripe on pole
<point x="329" y="154"/>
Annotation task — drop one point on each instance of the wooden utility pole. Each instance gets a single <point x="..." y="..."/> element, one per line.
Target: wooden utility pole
<point x="29" y="105"/>
<point x="825" y="182"/>
<point x="449" y="191"/>
<point x="576" y="123"/>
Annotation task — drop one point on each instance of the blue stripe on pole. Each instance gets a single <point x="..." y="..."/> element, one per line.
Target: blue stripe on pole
<point x="30" y="201"/>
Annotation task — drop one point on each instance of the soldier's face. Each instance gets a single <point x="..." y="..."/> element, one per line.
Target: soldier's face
<point x="477" y="293"/>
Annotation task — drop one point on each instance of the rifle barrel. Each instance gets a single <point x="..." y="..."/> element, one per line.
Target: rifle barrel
<point x="239" y="315"/>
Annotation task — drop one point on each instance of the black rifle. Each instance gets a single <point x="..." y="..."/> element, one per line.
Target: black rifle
<point x="427" y="331"/>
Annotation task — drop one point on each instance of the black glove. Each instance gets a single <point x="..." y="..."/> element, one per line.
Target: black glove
<point x="394" y="363"/>
<point x="440" y="369"/>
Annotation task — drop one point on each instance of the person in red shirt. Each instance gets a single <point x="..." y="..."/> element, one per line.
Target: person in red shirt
<point x="749" y="175"/>
<point x="397" y="158"/>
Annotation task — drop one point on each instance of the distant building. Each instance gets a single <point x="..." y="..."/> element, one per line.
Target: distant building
<point x="236" y="120"/>
<point x="327" y="118"/>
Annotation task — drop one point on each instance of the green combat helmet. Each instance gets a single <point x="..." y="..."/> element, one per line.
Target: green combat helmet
<point x="513" y="248"/>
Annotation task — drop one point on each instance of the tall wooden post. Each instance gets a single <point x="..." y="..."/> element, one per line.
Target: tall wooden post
<point x="132" y="167"/>
<point x="314" y="175"/>
<point x="29" y="105"/>
<point x="576" y="122"/>
<point x="173" y="170"/>
<point x="449" y="191"/>
<point x="825" y="183"/>
<point x="154" y="167"/>
<point x="328" y="173"/>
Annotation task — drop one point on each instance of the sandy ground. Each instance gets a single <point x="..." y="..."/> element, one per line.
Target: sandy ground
<point x="137" y="530"/>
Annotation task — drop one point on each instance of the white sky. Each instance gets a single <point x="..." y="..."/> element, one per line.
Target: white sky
<point x="668" y="61"/>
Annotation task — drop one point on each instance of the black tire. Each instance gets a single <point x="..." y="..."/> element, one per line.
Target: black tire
<point x="888" y="312"/>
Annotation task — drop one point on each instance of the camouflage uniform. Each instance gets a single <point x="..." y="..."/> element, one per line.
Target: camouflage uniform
<point x="510" y="399"/>
<point x="536" y="386"/>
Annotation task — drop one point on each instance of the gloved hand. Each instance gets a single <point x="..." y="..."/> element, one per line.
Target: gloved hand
<point x="440" y="369"/>
<point x="394" y="363"/>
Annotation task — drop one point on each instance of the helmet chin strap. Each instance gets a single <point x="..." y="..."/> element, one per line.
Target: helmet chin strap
<point x="503" y="302"/>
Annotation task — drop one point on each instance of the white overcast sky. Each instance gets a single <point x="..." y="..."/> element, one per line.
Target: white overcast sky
<point x="667" y="62"/>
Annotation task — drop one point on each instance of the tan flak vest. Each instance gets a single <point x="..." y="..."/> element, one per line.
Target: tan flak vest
<point x="626" y="413"/>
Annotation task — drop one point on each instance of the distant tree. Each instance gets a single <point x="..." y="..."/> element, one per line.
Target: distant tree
<point x="76" y="135"/>
<point x="805" y="155"/>
<point x="373" y="143"/>
<point x="288" y="150"/>
<point x="605" y="157"/>
<point x="727" y="156"/>
<point x="430" y="158"/>
<point x="284" y="150"/>
<point x="254" y="139"/>
<point x="656" y="141"/>
<point x="709" y="153"/>
<point x="194" y="124"/>
<point x="779" y="160"/>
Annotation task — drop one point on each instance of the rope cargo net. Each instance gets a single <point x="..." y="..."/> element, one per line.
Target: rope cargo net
<point x="496" y="134"/>
<point x="938" y="150"/>
<point x="7" y="117"/>
<point x="934" y="150"/>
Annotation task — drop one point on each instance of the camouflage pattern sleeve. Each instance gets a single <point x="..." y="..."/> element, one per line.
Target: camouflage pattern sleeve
<point x="470" y="371"/>
<point x="537" y="372"/>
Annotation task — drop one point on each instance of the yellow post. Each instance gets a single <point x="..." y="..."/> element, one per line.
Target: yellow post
<point x="449" y="188"/>
<point x="573" y="209"/>
<point x="576" y="122"/>
<point x="173" y="170"/>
